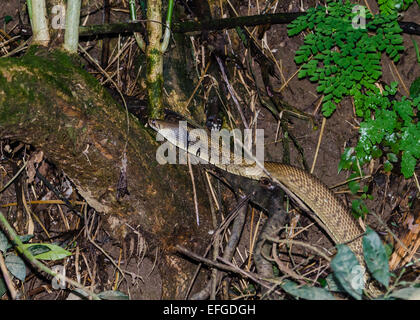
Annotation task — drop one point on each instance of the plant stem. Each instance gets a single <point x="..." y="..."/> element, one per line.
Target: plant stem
<point x="416" y="49"/>
<point x="7" y="279"/>
<point x="167" y="35"/>
<point x="71" y="36"/>
<point x="29" y="6"/>
<point x="154" y="58"/>
<point x="40" y="31"/>
<point x="20" y="248"/>
<point x="137" y="35"/>
<point x="133" y="15"/>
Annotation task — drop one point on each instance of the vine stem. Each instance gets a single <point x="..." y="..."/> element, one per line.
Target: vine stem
<point x="324" y="120"/>
<point x="167" y="34"/>
<point x="154" y="59"/>
<point x="137" y="35"/>
<point x="20" y="248"/>
<point x="6" y="277"/>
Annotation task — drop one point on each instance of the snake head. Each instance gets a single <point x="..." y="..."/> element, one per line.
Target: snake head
<point x="174" y="132"/>
<point x="154" y="124"/>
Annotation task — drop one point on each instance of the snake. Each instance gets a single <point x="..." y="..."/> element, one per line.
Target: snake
<point x="304" y="188"/>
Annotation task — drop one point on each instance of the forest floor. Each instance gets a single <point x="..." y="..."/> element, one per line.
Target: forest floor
<point x="341" y="130"/>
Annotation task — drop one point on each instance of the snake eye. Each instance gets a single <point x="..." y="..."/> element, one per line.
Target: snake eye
<point x="267" y="184"/>
<point x="152" y="123"/>
<point x="264" y="181"/>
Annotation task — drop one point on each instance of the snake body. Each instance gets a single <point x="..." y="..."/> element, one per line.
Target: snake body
<point x="306" y="189"/>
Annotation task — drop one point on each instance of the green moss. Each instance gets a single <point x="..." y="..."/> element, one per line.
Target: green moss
<point x="56" y="68"/>
<point x="21" y="94"/>
<point x="13" y="111"/>
<point x="153" y="58"/>
<point x="56" y="62"/>
<point x="72" y="134"/>
<point x="155" y="97"/>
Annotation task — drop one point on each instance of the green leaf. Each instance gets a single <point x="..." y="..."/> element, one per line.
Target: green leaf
<point x="46" y="251"/>
<point x="388" y="249"/>
<point x="415" y="88"/>
<point x="113" y="295"/>
<point x="333" y="284"/>
<point x="356" y="65"/>
<point x="375" y="257"/>
<point x="388" y="166"/>
<point x="78" y="294"/>
<point x="354" y="186"/>
<point x="410" y="139"/>
<point x="299" y="59"/>
<point x="306" y="292"/>
<point x="328" y="108"/>
<point x="376" y="152"/>
<point x="3" y="288"/>
<point x="314" y="78"/>
<point x="323" y="282"/>
<point x="346" y="160"/>
<point x="348" y="271"/>
<point x="328" y="97"/>
<point x="356" y="75"/>
<point x="7" y="19"/>
<point x="302" y="73"/>
<point x="392" y="157"/>
<point x="404" y="110"/>
<point x="25" y="238"/>
<point x="4" y="242"/>
<point x="37" y="249"/>
<point x="407" y="294"/>
<point x="359" y="208"/>
<point x="16" y="266"/>
<point x="416" y="46"/>
<point x="408" y="162"/>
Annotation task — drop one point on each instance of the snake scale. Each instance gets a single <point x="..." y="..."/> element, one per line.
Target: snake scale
<point x="303" y="187"/>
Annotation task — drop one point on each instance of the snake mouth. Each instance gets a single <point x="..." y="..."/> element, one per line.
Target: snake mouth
<point x="152" y="123"/>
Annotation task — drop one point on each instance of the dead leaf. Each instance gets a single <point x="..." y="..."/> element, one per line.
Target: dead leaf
<point x="33" y="162"/>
